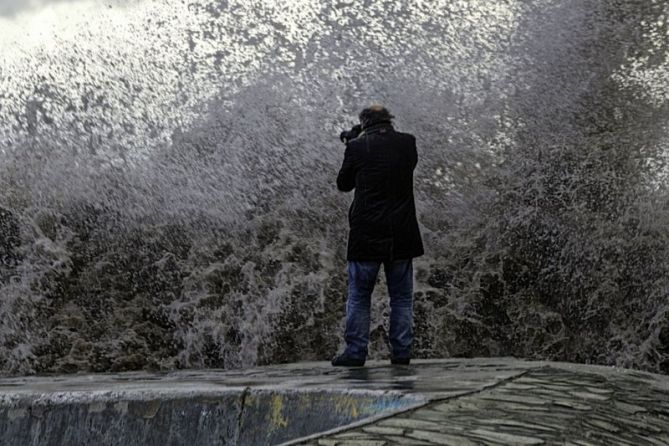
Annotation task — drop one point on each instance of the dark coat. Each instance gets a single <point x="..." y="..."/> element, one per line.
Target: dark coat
<point x="379" y="164"/>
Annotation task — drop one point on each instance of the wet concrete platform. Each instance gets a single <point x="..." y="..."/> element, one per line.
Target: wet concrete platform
<point x="491" y="401"/>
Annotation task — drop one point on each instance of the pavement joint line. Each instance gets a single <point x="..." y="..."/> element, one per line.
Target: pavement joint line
<point x="412" y="408"/>
<point x="494" y="385"/>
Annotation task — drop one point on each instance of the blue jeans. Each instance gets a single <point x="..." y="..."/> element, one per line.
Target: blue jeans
<point x="361" y="280"/>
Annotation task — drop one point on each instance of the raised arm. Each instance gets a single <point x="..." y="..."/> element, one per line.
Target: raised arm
<point x="346" y="177"/>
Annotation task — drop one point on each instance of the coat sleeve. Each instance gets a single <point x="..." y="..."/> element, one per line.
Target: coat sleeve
<point x="414" y="152"/>
<point x="346" y="177"/>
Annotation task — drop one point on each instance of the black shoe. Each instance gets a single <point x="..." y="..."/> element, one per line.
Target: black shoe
<point x="400" y="361"/>
<point x="347" y="361"/>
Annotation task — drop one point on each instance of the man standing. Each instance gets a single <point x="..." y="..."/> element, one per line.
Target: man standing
<point x="378" y="164"/>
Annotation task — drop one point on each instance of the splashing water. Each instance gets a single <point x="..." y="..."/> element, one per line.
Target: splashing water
<point x="167" y="178"/>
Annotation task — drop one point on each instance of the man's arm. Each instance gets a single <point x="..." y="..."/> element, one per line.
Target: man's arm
<point x="346" y="177"/>
<point x="414" y="152"/>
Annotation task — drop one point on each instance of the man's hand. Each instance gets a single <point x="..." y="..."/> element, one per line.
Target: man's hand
<point x="348" y="135"/>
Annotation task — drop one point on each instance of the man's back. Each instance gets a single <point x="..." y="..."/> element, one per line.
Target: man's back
<point x="379" y="165"/>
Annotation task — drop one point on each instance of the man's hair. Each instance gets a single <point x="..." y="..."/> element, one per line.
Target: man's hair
<point x="374" y="114"/>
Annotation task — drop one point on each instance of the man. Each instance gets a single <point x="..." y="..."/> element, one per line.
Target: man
<point x="378" y="164"/>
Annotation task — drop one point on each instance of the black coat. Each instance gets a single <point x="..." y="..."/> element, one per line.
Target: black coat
<point x="379" y="164"/>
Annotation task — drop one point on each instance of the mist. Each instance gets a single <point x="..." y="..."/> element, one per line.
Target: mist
<point x="10" y="8"/>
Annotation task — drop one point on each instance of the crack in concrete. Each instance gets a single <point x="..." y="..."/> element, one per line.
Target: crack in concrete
<point x="242" y="403"/>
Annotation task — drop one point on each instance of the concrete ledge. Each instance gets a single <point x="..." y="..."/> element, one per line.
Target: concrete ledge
<point x="173" y="417"/>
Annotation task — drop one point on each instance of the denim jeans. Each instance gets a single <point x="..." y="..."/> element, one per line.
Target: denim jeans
<point x="361" y="280"/>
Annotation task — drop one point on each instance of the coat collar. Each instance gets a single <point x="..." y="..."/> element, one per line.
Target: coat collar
<point x="376" y="127"/>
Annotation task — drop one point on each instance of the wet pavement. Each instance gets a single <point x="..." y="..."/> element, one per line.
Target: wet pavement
<point x="491" y="401"/>
<point x="541" y="404"/>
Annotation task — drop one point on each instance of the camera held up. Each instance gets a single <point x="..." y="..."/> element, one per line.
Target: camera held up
<point x="348" y="135"/>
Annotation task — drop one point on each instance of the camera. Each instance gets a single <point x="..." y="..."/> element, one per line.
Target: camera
<point x="348" y="135"/>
